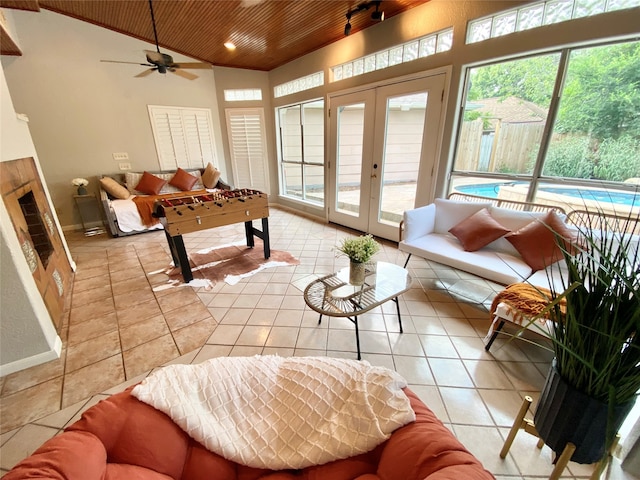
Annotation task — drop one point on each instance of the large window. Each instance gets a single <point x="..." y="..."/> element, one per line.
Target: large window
<point x="301" y="149"/>
<point x="561" y="128"/>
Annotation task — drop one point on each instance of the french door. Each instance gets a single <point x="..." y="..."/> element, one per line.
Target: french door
<point x="383" y="143"/>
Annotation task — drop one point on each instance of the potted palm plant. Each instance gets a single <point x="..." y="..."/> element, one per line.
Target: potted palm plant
<point x="595" y="376"/>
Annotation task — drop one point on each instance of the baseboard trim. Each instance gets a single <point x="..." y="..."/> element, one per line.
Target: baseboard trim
<point x="33" y="360"/>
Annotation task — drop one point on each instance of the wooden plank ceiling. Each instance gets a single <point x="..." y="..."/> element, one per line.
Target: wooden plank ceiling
<point x="267" y="33"/>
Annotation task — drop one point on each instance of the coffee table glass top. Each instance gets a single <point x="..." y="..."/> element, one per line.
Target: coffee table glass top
<point x="333" y="295"/>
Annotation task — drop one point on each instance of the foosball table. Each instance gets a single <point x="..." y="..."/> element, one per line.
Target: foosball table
<point x="180" y="215"/>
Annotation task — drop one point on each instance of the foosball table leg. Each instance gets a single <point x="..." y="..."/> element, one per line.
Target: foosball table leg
<point x="177" y="244"/>
<point x="172" y="248"/>
<point x="248" y="231"/>
<point x="265" y="237"/>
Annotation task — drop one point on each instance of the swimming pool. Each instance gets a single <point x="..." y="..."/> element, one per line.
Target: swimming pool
<point x="606" y="196"/>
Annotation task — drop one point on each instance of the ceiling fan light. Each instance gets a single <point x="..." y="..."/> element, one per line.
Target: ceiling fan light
<point x="229" y="45"/>
<point x="162" y="69"/>
<point x="347" y="28"/>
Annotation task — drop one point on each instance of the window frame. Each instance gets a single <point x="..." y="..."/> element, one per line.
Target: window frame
<point x="303" y="162"/>
<point x="536" y="177"/>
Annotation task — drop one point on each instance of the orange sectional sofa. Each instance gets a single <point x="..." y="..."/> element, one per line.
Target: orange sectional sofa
<point x="122" y="438"/>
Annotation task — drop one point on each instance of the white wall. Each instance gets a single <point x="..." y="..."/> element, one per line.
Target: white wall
<point x="27" y="335"/>
<point x="82" y="110"/>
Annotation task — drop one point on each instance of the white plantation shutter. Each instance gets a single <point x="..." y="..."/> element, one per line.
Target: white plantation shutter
<point x="183" y="136"/>
<point x="247" y="144"/>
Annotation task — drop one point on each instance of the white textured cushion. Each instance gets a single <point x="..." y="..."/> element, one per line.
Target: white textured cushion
<point x="449" y="213"/>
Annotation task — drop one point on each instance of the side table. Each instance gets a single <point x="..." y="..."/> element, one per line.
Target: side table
<point x="89" y="210"/>
<point x="334" y="296"/>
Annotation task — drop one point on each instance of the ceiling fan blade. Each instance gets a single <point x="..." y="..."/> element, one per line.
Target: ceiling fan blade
<point x="145" y="73"/>
<point x="130" y="63"/>
<point x="187" y="75"/>
<point x="192" y="65"/>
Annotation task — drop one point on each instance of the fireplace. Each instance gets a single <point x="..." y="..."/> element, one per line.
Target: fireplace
<point x="39" y="239"/>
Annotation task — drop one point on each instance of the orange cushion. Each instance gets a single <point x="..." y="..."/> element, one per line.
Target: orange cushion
<point x="150" y="184"/>
<point x="537" y="242"/>
<point x="70" y="456"/>
<point x="478" y="230"/>
<point x="183" y="180"/>
<point x="122" y="438"/>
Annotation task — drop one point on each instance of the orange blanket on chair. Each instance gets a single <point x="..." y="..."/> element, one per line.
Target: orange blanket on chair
<point x="523" y="300"/>
<point x="145" y="204"/>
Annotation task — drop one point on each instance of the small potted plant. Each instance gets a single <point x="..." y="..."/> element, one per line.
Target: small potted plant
<point x="81" y="183"/>
<point x="359" y="250"/>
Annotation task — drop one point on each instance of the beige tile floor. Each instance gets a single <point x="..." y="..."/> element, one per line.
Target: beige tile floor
<point x="121" y="324"/>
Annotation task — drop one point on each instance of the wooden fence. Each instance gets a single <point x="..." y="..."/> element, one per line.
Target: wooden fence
<point x="513" y="147"/>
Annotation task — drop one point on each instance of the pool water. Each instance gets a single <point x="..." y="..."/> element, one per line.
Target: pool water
<point x="605" y="196"/>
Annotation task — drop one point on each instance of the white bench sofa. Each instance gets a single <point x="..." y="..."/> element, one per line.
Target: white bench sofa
<point x="425" y="233"/>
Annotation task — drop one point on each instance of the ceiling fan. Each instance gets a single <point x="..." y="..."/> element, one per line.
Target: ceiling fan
<point x="162" y="62"/>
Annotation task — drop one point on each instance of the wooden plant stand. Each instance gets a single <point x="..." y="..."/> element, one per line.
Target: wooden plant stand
<point x="528" y="426"/>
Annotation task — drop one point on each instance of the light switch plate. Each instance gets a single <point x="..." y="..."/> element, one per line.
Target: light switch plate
<point x="124" y="166"/>
<point x="121" y="156"/>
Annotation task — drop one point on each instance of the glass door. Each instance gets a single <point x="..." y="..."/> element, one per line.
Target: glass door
<point x="383" y="153"/>
<point x="351" y="146"/>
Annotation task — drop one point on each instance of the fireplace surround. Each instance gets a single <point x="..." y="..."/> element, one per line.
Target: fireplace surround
<point x="32" y="220"/>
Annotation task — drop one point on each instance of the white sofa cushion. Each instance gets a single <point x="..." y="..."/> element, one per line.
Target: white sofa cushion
<point x="449" y="213"/>
<point x="513" y="220"/>
<point x="444" y="248"/>
<point x="419" y="221"/>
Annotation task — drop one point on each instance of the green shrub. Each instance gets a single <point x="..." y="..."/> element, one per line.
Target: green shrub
<point x="619" y="159"/>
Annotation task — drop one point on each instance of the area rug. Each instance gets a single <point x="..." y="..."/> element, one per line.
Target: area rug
<point x="229" y="263"/>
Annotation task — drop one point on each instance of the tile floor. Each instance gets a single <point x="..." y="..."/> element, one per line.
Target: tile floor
<point x="122" y="323"/>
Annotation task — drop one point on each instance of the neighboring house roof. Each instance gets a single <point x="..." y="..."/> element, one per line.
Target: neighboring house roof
<point x="509" y="110"/>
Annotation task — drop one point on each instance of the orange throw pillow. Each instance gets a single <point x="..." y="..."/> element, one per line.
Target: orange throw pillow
<point x="183" y="180"/>
<point x="478" y="230"/>
<point x="150" y="184"/>
<point x="537" y="243"/>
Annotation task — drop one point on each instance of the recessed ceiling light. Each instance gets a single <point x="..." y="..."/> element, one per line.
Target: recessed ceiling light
<point x="230" y="46"/>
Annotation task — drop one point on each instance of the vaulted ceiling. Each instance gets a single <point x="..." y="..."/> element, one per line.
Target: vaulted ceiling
<point x="267" y="33"/>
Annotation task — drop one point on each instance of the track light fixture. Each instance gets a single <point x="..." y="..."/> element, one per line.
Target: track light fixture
<point x="377" y="16"/>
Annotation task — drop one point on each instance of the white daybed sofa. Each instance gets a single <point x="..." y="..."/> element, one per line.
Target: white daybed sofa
<point x="121" y="212"/>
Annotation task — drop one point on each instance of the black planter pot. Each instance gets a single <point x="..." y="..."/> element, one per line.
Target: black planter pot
<point x="565" y="414"/>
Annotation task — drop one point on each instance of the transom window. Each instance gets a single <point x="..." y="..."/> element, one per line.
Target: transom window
<point x="538" y="14"/>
